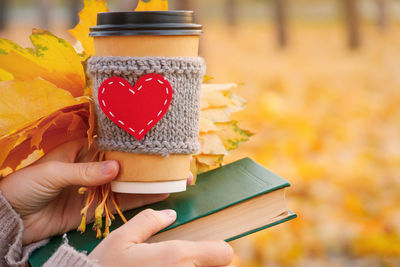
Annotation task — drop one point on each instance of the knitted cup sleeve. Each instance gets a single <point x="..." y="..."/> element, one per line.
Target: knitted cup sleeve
<point x="177" y="132"/>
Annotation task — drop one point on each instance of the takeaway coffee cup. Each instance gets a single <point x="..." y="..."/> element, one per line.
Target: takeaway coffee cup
<point x="163" y="38"/>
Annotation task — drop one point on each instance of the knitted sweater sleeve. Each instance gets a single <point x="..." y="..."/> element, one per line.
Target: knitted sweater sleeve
<point x="12" y="253"/>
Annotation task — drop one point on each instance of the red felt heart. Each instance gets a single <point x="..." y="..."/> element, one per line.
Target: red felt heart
<point x="139" y="108"/>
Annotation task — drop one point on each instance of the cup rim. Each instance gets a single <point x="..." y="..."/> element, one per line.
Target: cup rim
<point x="125" y="23"/>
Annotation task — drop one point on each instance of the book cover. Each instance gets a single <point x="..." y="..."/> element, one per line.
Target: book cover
<point x="214" y="191"/>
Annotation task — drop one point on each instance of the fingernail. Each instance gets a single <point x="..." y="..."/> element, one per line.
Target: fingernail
<point x="107" y="168"/>
<point x="190" y="179"/>
<point x="169" y="213"/>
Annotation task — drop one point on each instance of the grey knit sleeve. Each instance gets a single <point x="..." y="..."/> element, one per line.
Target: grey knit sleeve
<point x="12" y="253"/>
<point x="68" y="256"/>
<point x="177" y="132"/>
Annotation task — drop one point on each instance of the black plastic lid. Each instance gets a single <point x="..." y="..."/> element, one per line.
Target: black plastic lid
<point x="175" y="22"/>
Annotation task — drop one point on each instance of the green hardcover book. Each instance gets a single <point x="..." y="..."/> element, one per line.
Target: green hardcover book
<point x="226" y="203"/>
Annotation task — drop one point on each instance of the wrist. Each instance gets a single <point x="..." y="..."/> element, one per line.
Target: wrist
<point x="10" y="221"/>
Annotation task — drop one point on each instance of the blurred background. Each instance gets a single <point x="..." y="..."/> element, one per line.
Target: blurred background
<point x="322" y="80"/>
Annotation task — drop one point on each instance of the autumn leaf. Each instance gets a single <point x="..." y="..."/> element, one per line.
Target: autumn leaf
<point x="207" y="162"/>
<point x="214" y="99"/>
<point x="22" y="102"/>
<point x="211" y="144"/>
<point x="25" y="143"/>
<point x="218" y="102"/>
<point x="52" y="58"/>
<point x="216" y="115"/>
<point x="218" y="133"/>
<point x="231" y="134"/>
<point x="207" y="78"/>
<point x="221" y="96"/>
<point x="29" y="130"/>
<point x="152" y="5"/>
<point x="210" y="160"/>
<point x="207" y="125"/>
<point x="5" y="76"/>
<point x="200" y="168"/>
<point x="88" y="18"/>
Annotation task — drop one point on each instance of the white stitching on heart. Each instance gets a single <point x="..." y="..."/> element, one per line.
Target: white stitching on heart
<point x="133" y="92"/>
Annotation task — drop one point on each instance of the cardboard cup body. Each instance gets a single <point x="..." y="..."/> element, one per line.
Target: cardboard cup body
<point x="147" y="46"/>
<point x="163" y="174"/>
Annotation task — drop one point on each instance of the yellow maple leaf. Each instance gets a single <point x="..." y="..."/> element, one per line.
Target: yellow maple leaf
<point x="210" y="160"/>
<point x="152" y="5"/>
<point x="22" y="102"/>
<point x="221" y="96"/>
<point x="231" y="134"/>
<point x="5" y="75"/>
<point x="200" y="168"/>
<point x="35" y="117"/>
<point x="53" y="59"/>
<point x="88" y="18"/>
<point x="218" y="133"/>
<point x="210" y="143"/>
<point x="207" y="125"/>
<point x="216" y="115"/>
<point x="214" y="99"/>
<point x="38" y="138"/>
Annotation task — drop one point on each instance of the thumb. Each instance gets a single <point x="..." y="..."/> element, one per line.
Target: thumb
<point x="61" y="174"/>
<point x="145" y="224"/>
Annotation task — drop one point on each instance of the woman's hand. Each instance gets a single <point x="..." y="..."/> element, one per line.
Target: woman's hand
<point x="45" y="194"/>
<point x="125" y="246"/>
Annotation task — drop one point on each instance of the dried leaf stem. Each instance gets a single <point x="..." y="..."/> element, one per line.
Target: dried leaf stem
<point x="105" y="197"/>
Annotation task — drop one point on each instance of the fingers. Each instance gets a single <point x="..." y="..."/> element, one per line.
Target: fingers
<point x="190" y="179"/>
<point x="200" y="253"/>
<point x="212" y="253"/>
<point x="66" y="152"/>
<point x="145" y="224"/>
<point x="60" y="174"/>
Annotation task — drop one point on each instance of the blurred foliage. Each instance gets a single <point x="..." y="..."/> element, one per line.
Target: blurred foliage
<point x="87" y="19"/>
<point x="52" y="58"/>
<point x="152" y="5"/>
<point x="328" y="120"/>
